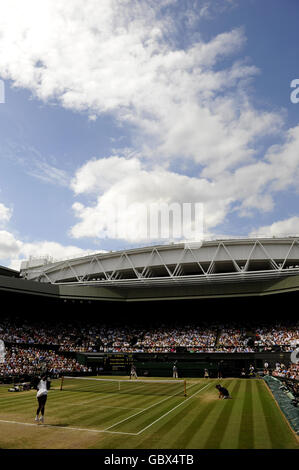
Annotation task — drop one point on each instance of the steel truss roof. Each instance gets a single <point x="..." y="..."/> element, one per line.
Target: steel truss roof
<point x="177" y="264"/>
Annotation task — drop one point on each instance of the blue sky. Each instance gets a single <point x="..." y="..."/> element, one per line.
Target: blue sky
<point x="147" y="101"/>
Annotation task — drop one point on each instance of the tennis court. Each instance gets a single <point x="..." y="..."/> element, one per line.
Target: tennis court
<point x="154" y="415"/>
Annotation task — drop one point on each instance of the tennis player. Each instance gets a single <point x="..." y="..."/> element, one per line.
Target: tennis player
<point x="133" y="372"/>
<point x="223" y="393"/>
<point x="42" y="387"/>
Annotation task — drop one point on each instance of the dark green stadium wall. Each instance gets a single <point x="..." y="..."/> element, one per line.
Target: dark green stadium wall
<point x="207" y="290"/>
<point x="108" y="305"/>
<point x="188" y="364"/>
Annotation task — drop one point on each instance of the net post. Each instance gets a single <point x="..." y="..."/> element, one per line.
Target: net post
<point x="61" y="384"/>
<point x="185" y="388"/>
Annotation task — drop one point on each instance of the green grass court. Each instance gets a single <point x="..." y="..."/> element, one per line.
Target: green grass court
<point x="146" y="418"/>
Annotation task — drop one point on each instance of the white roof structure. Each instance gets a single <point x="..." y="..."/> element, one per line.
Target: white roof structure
<point x="232" y="260"/>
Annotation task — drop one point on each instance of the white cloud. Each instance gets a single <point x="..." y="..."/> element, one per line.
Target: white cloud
<point x="185" y="106"/>
<point x="13" y="250"/>
<point x="281" y="228"/>
<point x="9" y="246"/>
<point x="51" y="249"/>
<point x="34" y="163"/>
<point x="48" y="173"/>
<point x="100" y="175"/>
<point x="117" y="56"/>
<point x="117" y="189"/>
<point x="114" y="180"/>
<point x="5" y="214"/>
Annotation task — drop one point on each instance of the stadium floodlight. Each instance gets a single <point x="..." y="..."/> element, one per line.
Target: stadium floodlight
<point x="126" y="386"/>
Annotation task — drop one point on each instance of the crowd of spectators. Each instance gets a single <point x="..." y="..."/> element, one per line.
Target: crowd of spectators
<point x="289" y="376"/>
<point x="20" y="361"/>
<point x="283" y="336"/>
<point x="165" y="339"/>
<point x="93" y="337"/>
<point x="30" y="345"/>
<point x="290" y="371"/>
<point x="90" y="337"/>
<point x="236" y="338"/>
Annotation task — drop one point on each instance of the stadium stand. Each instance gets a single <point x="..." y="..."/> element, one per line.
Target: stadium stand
<point x="85" y="337"/>
<point x="56" y="345"/>
<point x="23" y="363"/>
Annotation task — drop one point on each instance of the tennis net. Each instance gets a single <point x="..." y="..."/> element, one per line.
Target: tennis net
<point x="137" y="387"/>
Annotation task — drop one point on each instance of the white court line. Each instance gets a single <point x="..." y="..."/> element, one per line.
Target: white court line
<point x="66" y="427"/>
<point x="165" y="414"/>
<point x="145" y="409"/>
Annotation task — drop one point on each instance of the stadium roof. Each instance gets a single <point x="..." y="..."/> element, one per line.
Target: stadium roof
<point x="233" y="260"/>
<point x="213" y="269"/>
<point x="8" y="272"/>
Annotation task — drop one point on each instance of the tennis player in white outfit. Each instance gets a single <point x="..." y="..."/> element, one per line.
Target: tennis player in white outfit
<point x="42" y="395"/>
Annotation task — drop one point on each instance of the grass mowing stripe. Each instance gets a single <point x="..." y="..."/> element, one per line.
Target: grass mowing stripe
<point x="142" y="411"/>
<point x="64" y="414"/>
<point x="101" y="402"/>
<point x="274" y="429"/>
<point x="98" y="402"/>
<point x="172" y="409"/>
<point x="125" y="400"/>
<point x="217" y="433"/>
<point x="246" y="440"/>
<point x="262" y="438"/>
<point x="230" y="439"/>
<point x="167" y="430"/>
<point x="92" y="416"/>
<point x="62" y="411"/>
<point x="189" y="426"/>
<point x="193" y="431"/>
<point x="207" y="397"/>
<point x="143" y="419"/>
<point x="107" y="406"/>
<point x="8" y="400"/>
<point x="16" y="405"/>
